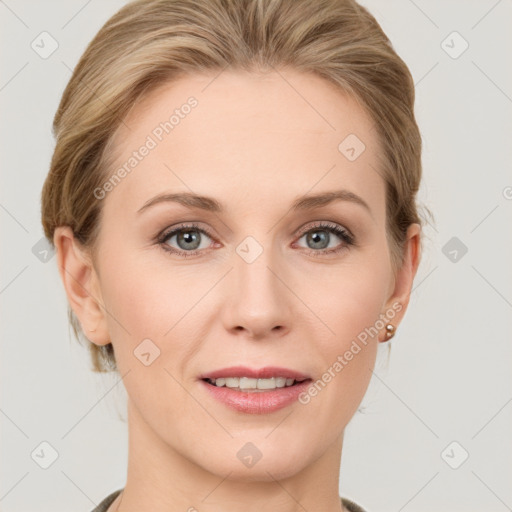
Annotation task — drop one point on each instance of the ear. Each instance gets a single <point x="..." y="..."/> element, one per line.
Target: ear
<point x="81" y="284"/>
<point x="397" y="303"/>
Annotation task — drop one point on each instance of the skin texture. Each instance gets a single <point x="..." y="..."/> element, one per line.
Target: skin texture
<point x="255" y="144"/>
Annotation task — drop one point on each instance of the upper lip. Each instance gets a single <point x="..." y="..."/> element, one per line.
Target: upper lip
<point x="255" y="373"/>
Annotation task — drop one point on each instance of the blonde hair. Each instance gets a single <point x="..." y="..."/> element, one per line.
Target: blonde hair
<point x="151" y="42"/>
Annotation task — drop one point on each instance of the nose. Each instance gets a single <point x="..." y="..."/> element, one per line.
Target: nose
<point x="258" y="303"/>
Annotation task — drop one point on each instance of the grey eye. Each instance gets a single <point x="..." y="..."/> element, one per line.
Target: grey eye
<point x="188" y="239"/>
<point x="319" y="239"/>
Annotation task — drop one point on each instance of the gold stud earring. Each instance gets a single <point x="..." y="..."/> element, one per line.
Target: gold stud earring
<point x="390" y="331"/>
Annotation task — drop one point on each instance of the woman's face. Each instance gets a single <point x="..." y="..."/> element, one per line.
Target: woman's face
<point x="260" y="275"/>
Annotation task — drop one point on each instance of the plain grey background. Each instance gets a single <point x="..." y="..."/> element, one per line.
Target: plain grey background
<point x="435" y="433"/>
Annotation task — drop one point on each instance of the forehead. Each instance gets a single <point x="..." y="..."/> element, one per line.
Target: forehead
<point x="246" y="135"/>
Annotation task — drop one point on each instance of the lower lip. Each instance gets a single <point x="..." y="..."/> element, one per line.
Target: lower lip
<point x="262" y="402"/>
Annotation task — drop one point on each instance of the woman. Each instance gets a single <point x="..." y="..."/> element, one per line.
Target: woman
<point x="232" y="200"/>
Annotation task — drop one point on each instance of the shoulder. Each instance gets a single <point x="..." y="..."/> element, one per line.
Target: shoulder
<point x="352" y="506"/>
<point x="103" y="506"/>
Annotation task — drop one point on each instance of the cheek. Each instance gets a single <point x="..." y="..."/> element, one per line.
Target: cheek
<point x="154" y="310"/>
<point x="147" y="321"/>
<point x="349" y="298"/>
<point x="350" y="307"/>
<point x="141" y="297"/>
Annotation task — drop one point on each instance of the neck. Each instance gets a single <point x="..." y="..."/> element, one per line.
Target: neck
<point x="162" y="479"/>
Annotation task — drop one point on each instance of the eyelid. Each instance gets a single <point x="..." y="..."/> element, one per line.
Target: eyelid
<point x="179" y="227"/>
<point x="322" y="224"/>
<point x="171" y="231"/>
<point x="338" y="229"/>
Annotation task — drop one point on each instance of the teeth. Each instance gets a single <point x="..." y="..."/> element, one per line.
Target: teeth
<point x="232" y="382"/>
<point x="247" y="383"/>
<point x="267" y="383"/>
<point x="242" y="383"/>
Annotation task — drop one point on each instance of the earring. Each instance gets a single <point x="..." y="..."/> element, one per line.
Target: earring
<point x="390" y="331"/>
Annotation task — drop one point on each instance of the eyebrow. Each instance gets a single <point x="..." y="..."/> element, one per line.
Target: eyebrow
<point x="306" y="202"/>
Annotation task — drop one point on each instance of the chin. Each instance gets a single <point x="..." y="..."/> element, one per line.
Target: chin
<point x="260" y="460"/>
<point x="268" y="471"/>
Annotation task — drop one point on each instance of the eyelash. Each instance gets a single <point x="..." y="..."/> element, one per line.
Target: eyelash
<point x="340" y="232"/>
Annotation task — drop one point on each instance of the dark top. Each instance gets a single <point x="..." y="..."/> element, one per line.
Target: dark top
<point x="103" y="506"/>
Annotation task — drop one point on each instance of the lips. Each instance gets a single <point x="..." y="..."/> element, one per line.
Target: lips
<point x="255" y="373"/>
<point x="256" y="402"/>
